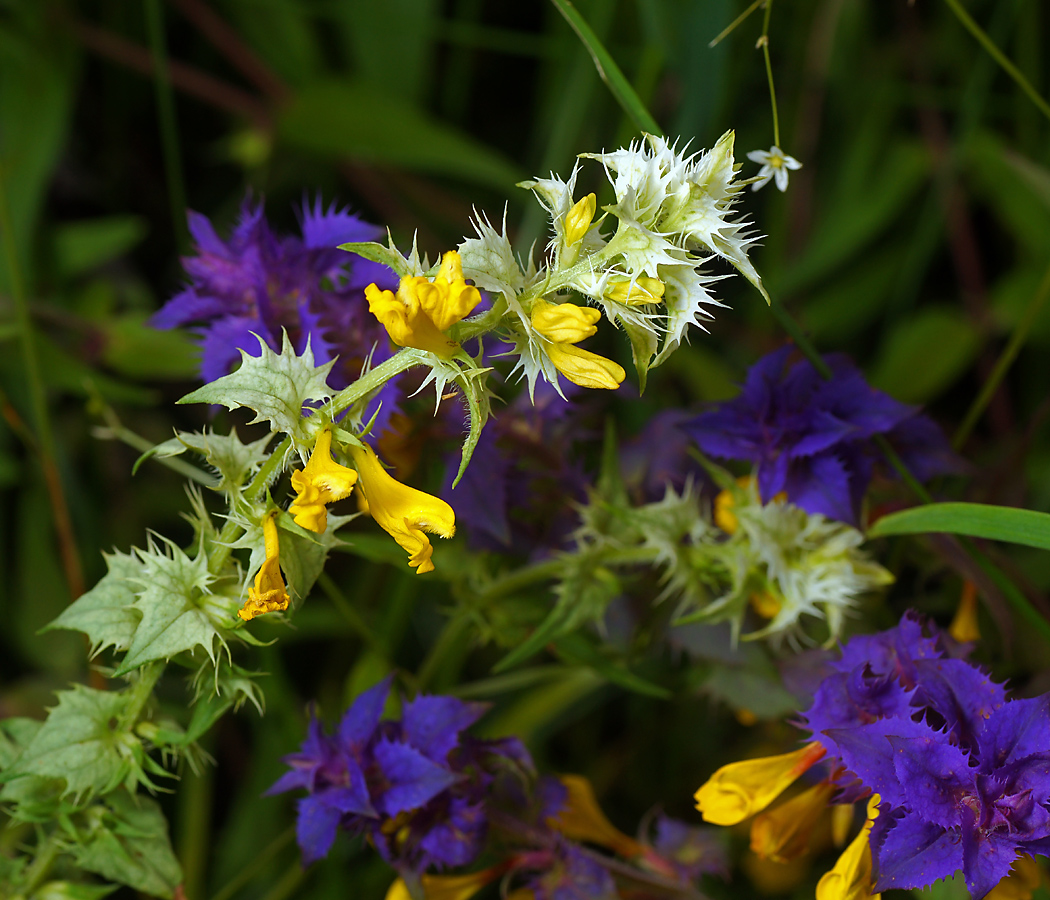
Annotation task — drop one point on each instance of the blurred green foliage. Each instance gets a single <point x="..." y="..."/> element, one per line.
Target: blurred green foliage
<point x="914" y="238"/>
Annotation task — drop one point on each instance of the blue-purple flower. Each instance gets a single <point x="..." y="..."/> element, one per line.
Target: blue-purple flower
<point x="519" y="499"/>
<point x="811" y="437"/>
<point x="416" y="787"/>
<point x="260" y="282"/>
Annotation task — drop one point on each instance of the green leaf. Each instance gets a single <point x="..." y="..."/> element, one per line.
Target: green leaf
<point x="15" y="733"/>
<point x="643" y="349"/>
<point x="86" y="244"/>
<point x="352" y="119"/>
<point x="574" y="648"/>
<point x="178" y="611"/>
<point x="235" y="461"/>
<point x="385" y="256"/>
<point x="138" y="351"/>
<point x="81" y="743"/>
<point x="129" y="845"/>
<point x="105" y="613"/>
<point x="303" y="553"/>
<point x="274" y="386"/>
<point x="925" y="354"/>
<point x="479" y="405"/>
<point x="997" y="523"/>
<point x="68" y="890"/>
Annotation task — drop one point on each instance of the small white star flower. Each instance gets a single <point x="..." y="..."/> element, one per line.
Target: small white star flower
<point x="775" y="164"/>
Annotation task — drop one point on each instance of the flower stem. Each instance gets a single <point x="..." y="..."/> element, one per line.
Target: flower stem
<point x="1002" y="365"/>
<point x="42" y="862"/>
<point x="250" y="871"/>
<point x="732" y="26"/>
<point x="995" y="53"/>
<point x="764" y="41"/>
<point x="140" y="692"/>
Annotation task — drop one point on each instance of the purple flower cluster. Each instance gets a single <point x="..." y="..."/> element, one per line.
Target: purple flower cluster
<point x="419" y="773"/>
<point x="963" y="771"/>
<point x="427" y="796"/>
<point x="811" y="437"/>
<point x="260" y="282"/>
<point x="519" y="500"/>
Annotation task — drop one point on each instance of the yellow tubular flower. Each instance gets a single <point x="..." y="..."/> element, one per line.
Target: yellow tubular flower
<point x="447" y="887"/>
<point x="584" y="368"/>
<point x="1024" y="879"/>
<point x="323" y="481"/>
<point x="851" y="877"/>
<point x="403" y="512"/>
<point x="578" y="219"/>
<point x="565" y="323"/>
<point x="765" y="603"/>
<point x="643" y="290"/>
<point x="964" y="627"/>
<point x="741" y="789"/>
<point x="269" y="593"/>
<point x="783" y="834"/>
<point x="582" y="819"/>
<point x="422" y="310"/>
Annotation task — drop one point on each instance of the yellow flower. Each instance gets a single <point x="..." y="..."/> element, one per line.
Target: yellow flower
<point x="582" y="819"/>
<point x="741" y="789"/>
<point x="448" y="887"/>
<point x="635" y="293"/>
<point x="269" y="593"/>
<point x="724" y="516"/>
<point x="1024" y="879"/>
<point x="564" y="325"/>
<point x="851" y="877"/>
<point x="403" y="512"/>
<point x="323" y="481"/>
<point x="422" y="310"/>
<point x="964" y="627"/>
<point x="578" y="219"/>
<point x="783" y="834"/>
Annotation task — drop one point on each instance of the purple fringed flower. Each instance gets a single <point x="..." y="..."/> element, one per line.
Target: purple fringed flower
<point x="810" y="437"/>
<point x="963" y="771"/>
<point x="417" y="788"/>
<point x="689" y="851"/>
<point x="259" y="282"/>
<point x="520" y="499"/>
<point x="567" y="872"/>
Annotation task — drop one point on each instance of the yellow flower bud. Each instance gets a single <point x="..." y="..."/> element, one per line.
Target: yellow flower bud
<point x="635" y="293"/>
<point x="582" y="819"/>
<point x="269" y="593"/>
<point x="850" y="879"/>
<point x="578" y="219"/>
<point x="783" y="834"/>
<point x="447" y="887"/>
<point x="403" y="512"/>
<point x="323" y="481"/>
<point x="741" y="789"/>
<point x="584" y="368"/>
<point x="765" y="603"/>
<point x="565" y="323"/>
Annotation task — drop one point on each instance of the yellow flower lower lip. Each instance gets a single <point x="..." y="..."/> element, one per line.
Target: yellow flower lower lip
<point x="783" y="834"/>
<point x="850" y="879"/>
<point x="323" y="481"/>
<point x="403" y="512"/>
<point x="269" y="593"/>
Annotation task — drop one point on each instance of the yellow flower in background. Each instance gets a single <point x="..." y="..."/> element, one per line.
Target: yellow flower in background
<point x="323" y="481"/>
<point x="741" y="789"/>
<point x="402" y="511"/>
<point x="582" y="819"/>
<point x="269" y="593"/>
<point x="964" y="627"/>
<point x="851" y="877"/>
<point x="565" y="325"/>
<point x="422" y="310"/>
<point x="638" y="292"/>
<point x="783" y="834"/>
<point x="447" y="887"/>
<point x="1024" y="880"/>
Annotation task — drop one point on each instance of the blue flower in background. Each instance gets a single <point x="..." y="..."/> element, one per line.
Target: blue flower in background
<point x="260" y="282"/>
<point x="811" y="437"/>
<point x="417" y="787"/>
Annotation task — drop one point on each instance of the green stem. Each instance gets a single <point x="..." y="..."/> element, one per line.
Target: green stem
<point x="608" y="70"/>
<point x="252" y="869"/>
<point x="288" y="883"/>
<point x="347" y="611"/>
<point x="195" y="808"/>
<point x="1002" y="365"/>
<point x="42" y="862"/>
<point x="400" y="362"/>
<point x="995" y="53"/>
<point x="169" y="133"/>
<point x="731" y="27"/>
<point x="764" y="40"/>
<point x="139" y="694"/>
<point x="1014" y="596"/>
<point x="446" y="643"/>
